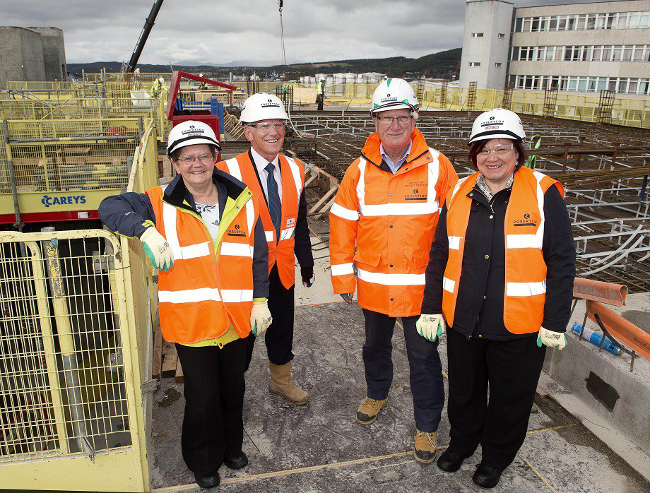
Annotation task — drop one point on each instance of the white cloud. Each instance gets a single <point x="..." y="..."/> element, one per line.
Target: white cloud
<point x="215" y="32"/>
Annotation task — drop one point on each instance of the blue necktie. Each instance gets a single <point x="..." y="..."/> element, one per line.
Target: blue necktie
<point x="275" y="207"/>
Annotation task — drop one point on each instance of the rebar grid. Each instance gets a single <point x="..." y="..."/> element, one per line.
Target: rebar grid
<point x="602" y="168"/>
<point x="62" y="381"/>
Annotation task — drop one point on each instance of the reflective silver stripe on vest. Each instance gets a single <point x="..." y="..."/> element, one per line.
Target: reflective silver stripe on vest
<point x="295" y="171"/>
<point x="431" y="206"/>
<point x="344" y="213"/>
<point x="285" y="234"/>
<point x="236" y="295"/>
<point x="536" y="240"/>
<point x="454" y="242"/>
<point x="250" y="215"/>
<point x="342" y="269"/>
<point x="171" y="234"/>
<point x="391" y="279"/>
<point x="525" y="288"/>
<point x="189" y="295"/>
<point x="206" y="294"/>
<point x="269" y="236"/>
<point x="236" y="249"/>
<point x="233" y="168"/>
<point x="448" y="284"/>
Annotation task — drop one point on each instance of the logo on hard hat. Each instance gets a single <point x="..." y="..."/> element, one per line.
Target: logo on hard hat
<point x="193" y="130"/>
<point x="270" y="104"/>
<point x="491" y="125"/>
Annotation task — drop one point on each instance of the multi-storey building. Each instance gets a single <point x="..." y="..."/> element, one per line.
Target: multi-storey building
<point x="581" y="47"/>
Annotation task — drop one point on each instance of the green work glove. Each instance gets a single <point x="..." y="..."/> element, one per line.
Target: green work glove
<point x="430" y="326"/>
<point x="260" y="316"/>
<point x="157" y="249"/>
<point x="551" y="339"/>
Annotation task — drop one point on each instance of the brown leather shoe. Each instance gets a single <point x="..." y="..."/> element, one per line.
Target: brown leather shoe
<point x="425" y="446"/>
<point x="369" y="409"/>
<point x="282" y="385"/>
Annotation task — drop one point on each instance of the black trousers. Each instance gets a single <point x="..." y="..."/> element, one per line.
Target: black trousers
<point x="279" y="336"/>
<point x="213" y="427"/>
<point x="511" y="368"/>
<point x="424" y="363"/>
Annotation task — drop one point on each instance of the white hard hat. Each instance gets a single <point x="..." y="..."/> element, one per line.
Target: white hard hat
<point x="262" y="106"/>
<point x="394" y="94"/>
<point x="161" y="80"/>
<point x="498" y="123"/>
<point x="190" y="133"/>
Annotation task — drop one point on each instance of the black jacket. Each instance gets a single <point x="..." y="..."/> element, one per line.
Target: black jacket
<point x="127" y="213"/>
<point x="479" y="306"/>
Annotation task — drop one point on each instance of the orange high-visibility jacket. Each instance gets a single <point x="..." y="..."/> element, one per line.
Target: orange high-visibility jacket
<point x="209" y="287"/>
<point x="525" y="269"/>
<point x="391" y="221"/>
<point x="292" y="172"/>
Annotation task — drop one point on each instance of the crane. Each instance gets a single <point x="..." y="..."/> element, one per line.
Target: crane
<point x="130" y="67"/>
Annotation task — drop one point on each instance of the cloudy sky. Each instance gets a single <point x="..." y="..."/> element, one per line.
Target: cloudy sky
<point x="248" y="31"/>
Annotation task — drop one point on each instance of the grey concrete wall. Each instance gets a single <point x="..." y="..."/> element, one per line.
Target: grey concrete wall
<point x="53" y="52"/>
<point x="491" y="18"/>
<point x="21" y="55"/>
<point x="603" y="381"/>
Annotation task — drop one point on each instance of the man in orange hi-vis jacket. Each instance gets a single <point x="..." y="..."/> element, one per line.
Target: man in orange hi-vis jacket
<point x="383" y="219"/>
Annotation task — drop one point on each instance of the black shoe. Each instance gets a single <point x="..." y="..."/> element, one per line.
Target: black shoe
<point x="450" y="461"/>
<point x="207" y="480"/>
<point x="237" y="461"/>
<point x="486" y="476"/>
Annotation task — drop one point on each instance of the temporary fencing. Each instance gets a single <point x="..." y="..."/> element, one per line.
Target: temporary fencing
<point x="75" y="355"/>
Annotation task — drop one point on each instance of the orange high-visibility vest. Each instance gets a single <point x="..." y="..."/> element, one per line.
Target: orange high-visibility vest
<point x="292" y="171"/>
<point x="390" y="220"/>
<point x="525" y="269"/>
<point x="206" y="290"/>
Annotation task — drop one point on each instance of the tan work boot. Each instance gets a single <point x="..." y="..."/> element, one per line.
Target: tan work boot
<point x="425" y="446"/>
<point x="281" y="384"/>
<point x="369" y="409"/>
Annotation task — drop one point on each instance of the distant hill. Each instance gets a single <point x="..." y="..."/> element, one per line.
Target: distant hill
<point x="441" y="65"/>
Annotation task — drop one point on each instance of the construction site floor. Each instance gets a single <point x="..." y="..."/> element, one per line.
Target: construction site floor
<point x="320" y="447"/>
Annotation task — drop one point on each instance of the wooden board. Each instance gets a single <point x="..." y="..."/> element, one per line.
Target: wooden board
<point x="157" y="354"/>
<point x="170" y="358"/>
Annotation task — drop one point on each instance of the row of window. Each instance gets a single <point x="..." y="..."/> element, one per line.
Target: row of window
<point x="478" y="64"/>
<point x="575" y="22"/>
<point x="480" y="35"/>
<point x="626" y="85"/>
<point x="597" y="53"/>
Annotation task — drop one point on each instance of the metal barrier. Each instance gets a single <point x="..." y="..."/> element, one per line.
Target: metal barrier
<point x="61" y="166"/>
<point x="75" y="355"/>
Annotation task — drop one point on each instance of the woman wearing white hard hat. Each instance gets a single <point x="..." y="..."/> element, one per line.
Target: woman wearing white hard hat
<point x="501" y="278"/>
<point x="203" y="233"/>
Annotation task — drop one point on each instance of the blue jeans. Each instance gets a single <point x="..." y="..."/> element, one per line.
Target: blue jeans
<point x="424" y="361"/>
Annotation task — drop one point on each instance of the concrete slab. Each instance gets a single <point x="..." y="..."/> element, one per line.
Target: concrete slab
<point x="319" y="447"/>
<point x="603" y="383"/>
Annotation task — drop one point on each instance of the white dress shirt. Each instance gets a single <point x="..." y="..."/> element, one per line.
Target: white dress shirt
<point x="260" y="164"/>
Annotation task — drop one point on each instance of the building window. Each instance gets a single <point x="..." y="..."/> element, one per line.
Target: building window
<point x="477" y="35"/>
<point x="501" y="35"/>
<point x="474" y="64"/>
<point x="497" y="65"/>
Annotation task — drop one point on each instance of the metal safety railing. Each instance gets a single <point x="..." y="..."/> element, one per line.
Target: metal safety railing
<point x="75" y="354"/>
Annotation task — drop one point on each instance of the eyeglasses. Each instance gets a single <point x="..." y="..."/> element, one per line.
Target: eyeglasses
<point x="203" y="159"/>
<point x="388" y="120"/>
<point x="498" y="150"/>
<point x="266" y="126"/>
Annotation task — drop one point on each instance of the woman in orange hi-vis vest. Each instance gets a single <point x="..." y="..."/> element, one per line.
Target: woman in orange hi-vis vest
<point x="204" y="234"/>
<point x="501" y="277"/>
